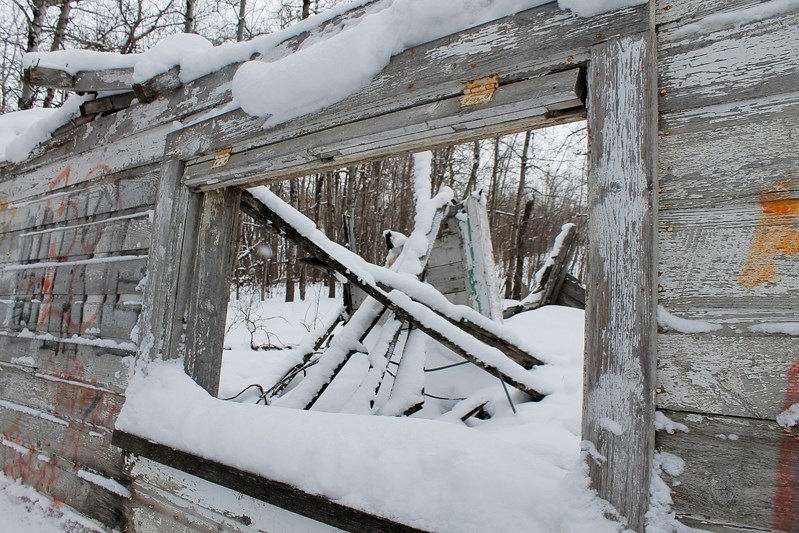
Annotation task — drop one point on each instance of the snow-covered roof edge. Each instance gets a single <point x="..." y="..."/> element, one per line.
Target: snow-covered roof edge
<point x="328" y="67"/>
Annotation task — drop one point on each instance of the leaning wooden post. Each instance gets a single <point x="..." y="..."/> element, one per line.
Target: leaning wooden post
<point x="620" y="359"/>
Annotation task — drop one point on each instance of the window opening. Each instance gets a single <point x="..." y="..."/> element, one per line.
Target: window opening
<point x="287" y="305"/>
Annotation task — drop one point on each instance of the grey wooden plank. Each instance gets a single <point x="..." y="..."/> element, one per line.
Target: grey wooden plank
<point x="100" y="275"/>
<point x="109" y="235"/>
<point x="116" y="79"/>
<point x="217" y="235"/>
<point x="751" y="479"/>
<point x="720" y="526"/>
<point x="136" y="150"/>
<point x="175" y="211"/>
<point x="705" y="153"/>
<point x="735" y="376"/>
<point x="730" y="258"/>
<point x="85" y="446"/>
<point x="270" y="491"/>
<point x="537" y="41"/>
<point x="158" y="85"/>
<point x="61" y="483"/>
<point x="83" y="405"/>
<point x="121" y="193"/>
<point x="66" y="315"/>
<point x="197" y="496"/>
<point x="619" y="375"/>
<point x="515" y="106"/>
<point x="48" y="77"/>
<point x="93" y="365"/>
<point x="154" y="510"/>
<point x="745" y="61"/>
<point x="681" y="12"/>
<point x="107" y="104"/>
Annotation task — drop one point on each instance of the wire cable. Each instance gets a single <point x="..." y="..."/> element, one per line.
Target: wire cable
<point x="436" y="369"/>
<point x="248" y="387"/>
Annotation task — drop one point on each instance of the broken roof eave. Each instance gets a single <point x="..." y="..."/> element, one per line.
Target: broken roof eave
<point x="204" y="103"/>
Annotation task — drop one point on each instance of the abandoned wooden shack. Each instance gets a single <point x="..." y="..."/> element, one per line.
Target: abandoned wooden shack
<point x="117" y="231"/>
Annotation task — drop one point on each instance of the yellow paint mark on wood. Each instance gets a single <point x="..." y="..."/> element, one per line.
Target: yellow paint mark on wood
<point x="777" y="234"/>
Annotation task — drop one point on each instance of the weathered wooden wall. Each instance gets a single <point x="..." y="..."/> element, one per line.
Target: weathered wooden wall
<point x="75" y="224"/>
<point x="729" y="254"/>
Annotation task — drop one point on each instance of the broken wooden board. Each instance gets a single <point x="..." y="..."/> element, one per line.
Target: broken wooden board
<point x="405" y="308"/>
<point x="552" y="276"/>
<point x="262" y="489"/>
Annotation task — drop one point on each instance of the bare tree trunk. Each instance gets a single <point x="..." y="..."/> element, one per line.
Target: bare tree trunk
<point x="240" y="22"/>
<point x="306" y="9"/>
<point x="38" y="11"/>
<point x="516" y="256"/>
<point x="58" y="41"/>
<point x="330" y="215"/>
<point x="472" y="184"/>
<point x="188" y="24"/>
<point x="516" y="293"/>
<point x="291" y="251"/>
<point x="493" y="189"/>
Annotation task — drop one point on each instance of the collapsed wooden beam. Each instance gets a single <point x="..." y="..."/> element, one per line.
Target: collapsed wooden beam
<point x="552" y="276"/>
<point x="113" y="79"/>
<point x="402" y="306"/>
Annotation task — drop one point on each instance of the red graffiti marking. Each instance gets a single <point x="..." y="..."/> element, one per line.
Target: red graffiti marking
<point x="62" y="246"/>
<point x="786" y="492"/>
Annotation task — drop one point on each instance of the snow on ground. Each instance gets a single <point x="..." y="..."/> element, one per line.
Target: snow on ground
<point x="23" y="510"/>
<point x="512" y="472"/>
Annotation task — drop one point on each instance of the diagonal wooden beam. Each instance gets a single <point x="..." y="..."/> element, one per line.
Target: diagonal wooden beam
<point x="404" y="308"/>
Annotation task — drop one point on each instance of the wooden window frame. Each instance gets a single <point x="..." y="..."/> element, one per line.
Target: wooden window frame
<point x="194" y="226"/>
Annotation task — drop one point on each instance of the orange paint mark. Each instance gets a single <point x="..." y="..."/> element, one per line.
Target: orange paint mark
<point x="786" y="484"/>
<point x="775" y="235"/>
<point x="102" y="168"/>
<point x="62" y="179"/>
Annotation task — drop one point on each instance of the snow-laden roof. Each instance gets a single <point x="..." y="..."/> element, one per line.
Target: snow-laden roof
<point x="326" y="68"/>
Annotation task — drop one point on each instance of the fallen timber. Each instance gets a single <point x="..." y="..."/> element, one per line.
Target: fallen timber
<point x="407" y="309"/>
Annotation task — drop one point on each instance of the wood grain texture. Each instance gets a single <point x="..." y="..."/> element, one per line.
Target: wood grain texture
<point x="514" y="106"/>
<point x="114" y="79"/>
<point x="537" y="41"/>
<point x="197" y="497"/>
<point x="750" y="60"/>
<point x="109" y="275"/>
<point x="273" y="492"/>
<point x="74" y="445"/>
<point x="619" y="376"/>
<point x="217" y="235"/>
<point x="111" y="235"/>
<point x="132" y="151"/>
<point x="158" y="85"/>
<point x="60" y="482"/>
<point x="102" y="367"/>
<point x="729" y="375"/>
<point x="175" y="206"/>
<point x="122" y="192"/>
<point x="749" y="479"/>
<point x="681" y="12"/>
<point x="730" y="258"/>
<point x="76" y="403"/>
<point x="728" y="154"/>
<point x="108" y="317"/>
